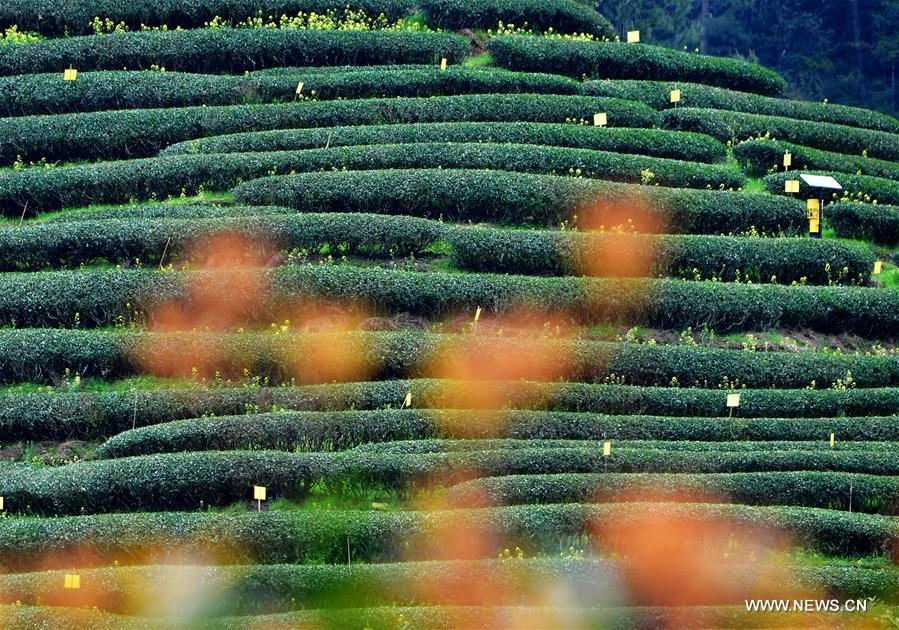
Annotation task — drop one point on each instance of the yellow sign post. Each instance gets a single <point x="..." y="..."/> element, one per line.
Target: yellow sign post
<point x="813" y="213"/>
<point x="600" y="119"/>
<point x="72" y="580"/>
<point x="633" y="37"/>
<point x="259" y="493"/>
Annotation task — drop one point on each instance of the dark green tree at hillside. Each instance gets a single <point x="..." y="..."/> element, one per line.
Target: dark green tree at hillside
<point x="846" y="51"/>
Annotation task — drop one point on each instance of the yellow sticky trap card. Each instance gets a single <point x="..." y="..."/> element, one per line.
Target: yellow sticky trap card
<point x="600" y="120"/>
<point x="733" y="400"/>
<point x="878" y="267"/>
<point x="1" y="504"/>
<point x="675" y="96"/>
<point x="813" y="208"/>
<point x="259" y="493"/>
<point x="788" y="159"/>
<point x="833" y="440"/>
<point x="408" y="401"/>
<point x="299" y="88"/>
<point x="791" y="186"/>
<point x="606" y="449"/>
<point x="72" y="580"/>
<point x="477" y="314"/>
<point x="443" y="64"/>
<point x="378" y="506"/>
<point x="70" y="75"/>
<point x="633" y="37"/>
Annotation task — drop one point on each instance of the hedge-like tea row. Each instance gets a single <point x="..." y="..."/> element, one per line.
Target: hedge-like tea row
<point x="613" y="255"/>
<point x="185" y="481"/>
<point x="727" y="125"/>
<point x="44" y="355"/>
<point x="73" y="17"/>
<point x="70" y="244"/>
<point x="73" y="243"/>
<point x="175" y="211"/>
<point x="439" y="617"/>
<point x="761" y="157"/>
<point x="320" y="536"/>
<point x="95" y="415"/>
<point x="441" y="445"/>
<point x="137" y="133"/>
<point x="338" y="430"/>
<point x="615" y="60"/>
<point x="870" y="493"/>
<point x="465" y="194"/>
<point x="99" y="91"/>
<point x="865" y="221"/>
<point x="855" y="187"/>
<point x="265" y="589"/>
<point x="104" y="297"/>
<point x="656" y="142"/>
<point x="657" y="94"/>
<point x="526" y="158"/>
<point x="231" y="51"/>
<point x="562" y="16"/>
<point x="98" y="298"/>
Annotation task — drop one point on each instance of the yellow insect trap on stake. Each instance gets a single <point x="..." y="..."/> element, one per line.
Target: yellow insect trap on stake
<point x="606" y="449"/>
<point x="878" y="268"/>
<point x="833" y="440"/>
<point x="1" y="504"/>
<point x="788" y="160"/>
<point x="72" y="580"/>
<point x="299" y="88"/>
<point x="675" y="97"/>
<point x="633" y="37"/>
<point x="259" y="493"/>
<point x="813" y="213"/>
<point x="443" y="64"/>
<point x="600" y="119"/>
<point x="408" y="401"/>
<point x="70" y="74"/>
<point x="791" y="186"/>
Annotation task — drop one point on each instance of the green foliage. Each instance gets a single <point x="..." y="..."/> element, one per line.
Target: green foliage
<point x="227" y="50"/>
<point x="655" y="142"/>
<point x="310" y="431"/>
<point x="98" y="91"/>
<point x="56" y="17"/>
<point x="351" y="591"/>
<point x="135" y="133"/>
<point x="102" y="298"/>
<point x="737" y="126"/>
<point x="865" y="221"/>
<point x="316" y="536"/>
<point x="657" y="95"/>
<point x="870" y="493"/>
<point x="91" y="415"/>
<point x="39" y="356"/>
<point x="185" y="481"/>
<point x="855" y="188"/>
<point x="72" y="243"/>
<point x="761" y="157"/>
<point x="561" y="16"/>
<point x="725" y="258"/>
<point x="615" y="60"/>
